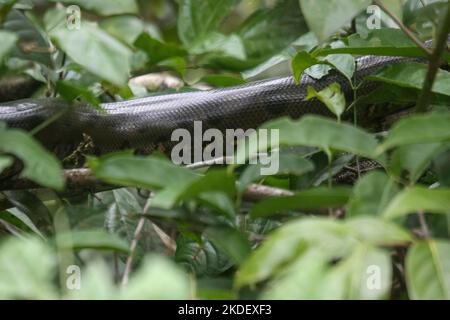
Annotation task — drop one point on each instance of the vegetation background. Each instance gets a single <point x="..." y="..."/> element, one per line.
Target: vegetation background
<point x="340" y="231"/>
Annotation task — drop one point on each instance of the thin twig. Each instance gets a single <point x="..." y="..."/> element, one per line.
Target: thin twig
<point x="404" y="28"/>
<point x="434" y="65"/>
<point x="425" y="231"/>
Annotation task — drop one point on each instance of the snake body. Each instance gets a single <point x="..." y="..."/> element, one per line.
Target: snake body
<point x="143" y="124"/>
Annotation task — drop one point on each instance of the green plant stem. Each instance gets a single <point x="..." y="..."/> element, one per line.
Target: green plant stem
<point x="404" y="28"/>
<point x="434" y="64"/>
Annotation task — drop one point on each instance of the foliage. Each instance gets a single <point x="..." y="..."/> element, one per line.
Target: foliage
<point x="383" y="233"/>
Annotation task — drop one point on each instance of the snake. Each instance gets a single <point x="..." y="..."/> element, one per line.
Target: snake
<point x="145" y="124"/>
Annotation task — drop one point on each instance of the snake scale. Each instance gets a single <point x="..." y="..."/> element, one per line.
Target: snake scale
<point x="144" y="124"/>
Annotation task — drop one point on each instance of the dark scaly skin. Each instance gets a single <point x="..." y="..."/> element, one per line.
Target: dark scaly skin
<point x="144" y="124"/>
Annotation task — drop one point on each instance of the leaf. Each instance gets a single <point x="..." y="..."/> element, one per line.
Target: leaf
<point x="231" y="241"/>
<point x="331" y="96"/>
<point x="304" y="200"/>
<point x="124" y="28"/>
<point x="412" y="75"/>
<point x="428" y="270"/>
<point x="140" y="172"/>
<point x="418" y="129"/>
<point x="414" y="159"/>
<point x="96" y="51"/>
<point x="40" y="166"/>
<point x="418" y="199"/>
<point x="8" y="40"/>
<point x="324" y="17"/>
<point x="302" y="61"/>
<point x="378" y="232"/>
<point x="314" y="131"/>
<point x="156" y="50"/>
<point x="222" y="81"/>
<point x="5" y="162"/>
<point x="31" y="46"/>
<point x="71" y="90"/>
<point x="378" y="42"/>
<point x="196" y="18"/>
<point x="112" y="7"/>
<point x="270" y="31"/>
<point x="26" y="269"/>
<point x="158" y="279"/>
<point x="290" y="241"/>
<point x="371" y="194"/>
<point x="92" y="239"/>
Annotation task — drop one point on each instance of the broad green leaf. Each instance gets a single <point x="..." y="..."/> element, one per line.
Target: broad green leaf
<point x="366" y="274"/>
<point x="331" y="96"/>
<point x="412" y="75"/>
<point x="290" y="241"/>
<point x="379" y="42"/>
<point x="158" y="279"/>
<point x="27" y="268"/>
<point x="5" y="162"/>
<point x="196" y="18"/>
<point x="92" y="239"/>
<point x="418" y="129"/>
<point x="124" y="28"/>
<point x="442" y="166"/>
<point x="8" y="40"/>
<point x="269" y="31"/>
<point x="111" y="7"/>
<point x="23" y="220"/>
<point x="314" y="131"/>
<point x="371" y="194"/>
<point x="324" y="17"/>
<point x="230" y="46"/>
<point x="414" y="159"/>
<point x="222" y="81"/>
<point x="71" y="90"/>
<point x="232" y="241"/>
<point x="156" y="50"/>
<point x="97" y="51"/>
<point x="418" y="199"/>
<point x="31" y="44"/>
<point x="40" y="166"/>
<point x="428" y="270"/>
<point x="302" y="61"/>
<point x="138" y="171"/>
<point x="304" y="200"/>
<point x="378" y="232"/>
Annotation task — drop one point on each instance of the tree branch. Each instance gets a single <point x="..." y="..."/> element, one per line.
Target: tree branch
<point x="434" y="65"/>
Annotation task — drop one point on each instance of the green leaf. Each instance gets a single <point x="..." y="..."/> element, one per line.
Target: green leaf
<point x="112" y="7"/>
<point x="314" y="131"/>
<point x="302" y="61"/>
<point x="371" y="194"/>
<point x="196" y="18"/>
<point x="158" y="279"/>
<point x="8" y="40"/>
<point x="5" y="162"/>
<point x="418" y="129"/>
<point x="414" y="159"/>
<point x="418" y="199"/>
<point x="331" y="96"/>
<point x="428" y="270"/>
<point x="379" y="42"/>
<point x="124" y="28"/>
<point x="156" y="50"/>
<point x="71" y="90"/>
<point x="412" y="75"/>
<point x="92" y="239"/>
<point x="140" y="172"/>
<point x="97" y="51"/>
<point x="222" y="81"/>
<point x="40" y="166"/>
<point x="27" y="275"/>
<point x="305" y="200"/>
<point x="378" y="232"/>
<point x="324" y="17"/>
<point x="231" y="241"/>
<point x="286" y="244"/>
